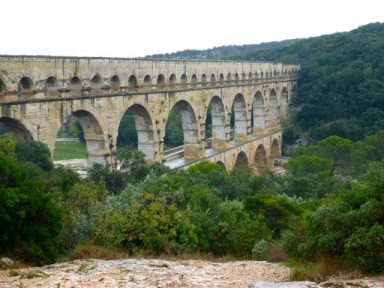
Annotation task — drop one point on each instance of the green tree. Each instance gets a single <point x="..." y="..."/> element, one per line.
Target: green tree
<point x="35" y="152"/>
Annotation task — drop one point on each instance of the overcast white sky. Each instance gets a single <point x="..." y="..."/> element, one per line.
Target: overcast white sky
<point x="135" y="28"/>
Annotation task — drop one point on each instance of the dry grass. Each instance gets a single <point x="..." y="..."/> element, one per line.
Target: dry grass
<point x="89" y="250"/>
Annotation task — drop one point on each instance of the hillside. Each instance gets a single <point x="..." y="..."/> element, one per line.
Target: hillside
<point x="341" y="87"/>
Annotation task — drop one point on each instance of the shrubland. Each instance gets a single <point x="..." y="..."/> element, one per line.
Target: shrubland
<point x="328" y="205"/>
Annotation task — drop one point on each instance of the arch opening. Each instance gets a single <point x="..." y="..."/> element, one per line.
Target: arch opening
<point x="160" y="82"/>
<point x="136" y="131"/>
<point x="132" y="83"/>
<point x="241" y="160"/>
<point x="51" y="87"/>
<point x="273" y="108"/>
<point x="194" y="80"/>
<point x="213" y="79"/>
<point x="239" y="118"/>
<point x="275" y="148"/>
<point x="115" y="84"/>
<point x="14" y="127"/>
<point x="172" y="80"/>
<point x="258" y="113"/>
<point x="147" y="82"/>
<point x="96" y="84"/>
<point x="75" y="86"/>
<point x="221" y="164"/>
<point x="215" y="123"/>
<point x="261" y="161"/>
<point x="25" y="87"/>
<point x="203" y="80"/>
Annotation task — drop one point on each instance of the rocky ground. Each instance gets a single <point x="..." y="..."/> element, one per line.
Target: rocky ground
<point x="159" y="273"/>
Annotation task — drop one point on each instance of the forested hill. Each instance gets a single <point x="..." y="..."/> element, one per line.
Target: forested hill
<point x="341" y="87"/>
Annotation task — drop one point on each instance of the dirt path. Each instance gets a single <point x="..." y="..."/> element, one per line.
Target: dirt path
<point x="145" y="273"/>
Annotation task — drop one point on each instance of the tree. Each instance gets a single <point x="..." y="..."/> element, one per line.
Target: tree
<point x="35" y="152"/>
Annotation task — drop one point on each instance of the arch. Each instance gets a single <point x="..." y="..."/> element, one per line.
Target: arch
<point x="203" y="80"/>
<point x="115" y="84"/>
<point x="241" y="160"/>
<point x="221" y="78"/>
<point x="93" y="135"/>
<point x="258" y="113"/>
<point x="51" y="87"/>
<point x="190" y="129"/>
<point x="145" y="130"/>
<point x="183" y="79"/>
<point x="237" y="78"/>
<point x="75" y="86"/>
<point x="96" y="84"/>
<point x="239" y="107"/>
<point x="273" y="108"/>
<point x="16" y="129"/>
<point x="261" y="161"/>
<point x="147" y="81"/>
<point x="25" y="87"/>
<point x="221" y="164"/>
<point x="284" y="102"/>
<point x="172" y="80"/>
<point x="275" y="148"/>
<point x="243" y="77"/>
<point x="218" y="122"/>
<point x="160" y="81"/>
<point x="213" y="79"/>
<point x="250" y="77"/>
<point x="194" y="80"/>
<point x="229" y="77"/>
<point x="132" y="83"/>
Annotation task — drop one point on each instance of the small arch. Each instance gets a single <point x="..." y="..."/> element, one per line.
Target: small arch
<point x="243" y="77"/>
<point x="194" y="80"/>
<point x="183" y="79"/>
<point x="229" y="78"/>
<point x="258" y="112"/>
<point x="261" y="160"/>
<point x="172" y="80"/>
<point x="275" y="148"/>
<point x="132" y="83"/>
<point x="75" y="86"/>
<point x="250" y="77"/>
<point x="16" y="129"/>
<point x="221" y="164"/>
<point x="213" y="79"/>
<point x="241" y="160"/>
<point x="96" y="83"/>
<point x="51" y="87"/>
<point x="237" y="78"/>
<point x="147" y="81"/>
<point x="115" y="84"/>
<point x="221" y="78"/>
<point x="203" y="80"/>
<point x="160" y="81"/>
<point x="25" y="87"/>
<point x="261" y="75"/>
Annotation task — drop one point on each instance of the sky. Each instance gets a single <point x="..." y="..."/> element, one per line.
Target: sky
<point x="126" y="28"/>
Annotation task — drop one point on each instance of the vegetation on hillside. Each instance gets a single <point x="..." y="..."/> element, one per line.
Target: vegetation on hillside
<point x="341" y="86"/>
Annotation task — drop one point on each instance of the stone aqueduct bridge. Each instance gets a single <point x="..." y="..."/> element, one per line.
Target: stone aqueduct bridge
<point x="38" y="94"/>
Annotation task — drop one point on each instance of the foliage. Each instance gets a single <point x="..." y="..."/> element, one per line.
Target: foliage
<point x="35" y="152"/>
<point x="7" y="145"/>
<point x="30" y="221"/>
<point x="173" y="130"/>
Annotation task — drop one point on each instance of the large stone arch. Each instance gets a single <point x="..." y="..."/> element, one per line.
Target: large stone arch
<point x="192" y="147"/>
<point x="241" y="160"/>
<point x="94" y="137"/>
<point x="240" y="109"/>
<point x="261" y="160"/>
<point x="258" y="110"/>
<point x="145" y="130"/>
<point x="17" y="129"/>
<point x="221" y="164"/>
<point x="273" y="112"/>
<point x="219" y="139"/>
